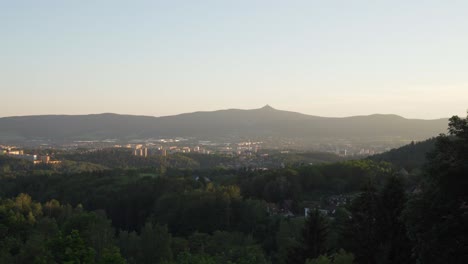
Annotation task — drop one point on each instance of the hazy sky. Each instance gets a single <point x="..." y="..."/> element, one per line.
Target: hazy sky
<point x="329" y="58"/>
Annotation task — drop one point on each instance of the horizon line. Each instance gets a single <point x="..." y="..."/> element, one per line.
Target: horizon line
<point x="266" y="107"/>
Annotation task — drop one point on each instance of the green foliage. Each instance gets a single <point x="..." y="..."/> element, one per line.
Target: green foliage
<point x="187" y="258"/>
<point x="68" y="249"/>
<point x="437" y="217"/>
<point x="374" y="229"/>
<point x="227" y="247"/>
<point x="112" y="256"/>
<point x="94" y="228"/>
<point x="360" y="234"/>
<point x="12" y="167"/>
<point x="152" y="245"/>
<point x="155" y="244"/>
<point x="395" y="246"/>
<point x="315" y="234"/>
<point x="299" y="159"/>
<point x="208" y="161"/>
<point x="129" y="243"/>
<point x="33" y="233"/>
<point x="313" y="242"/>
<point x="341" y="257"/>
<point x="409" y="157"/>
<point x="294" y="184"/>
<point x="320" y="260"/>
<point x="288" y="237"/>
<point x="123" y="158"/>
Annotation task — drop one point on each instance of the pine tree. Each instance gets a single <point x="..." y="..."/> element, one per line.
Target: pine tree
<point x="155" y="244"/>
<point x="314" y="239"/>
<point x="395" y="246"/>
<point x="315" y="234"/>
<point x="360" y="233"/>
<point x="437" y="219"/>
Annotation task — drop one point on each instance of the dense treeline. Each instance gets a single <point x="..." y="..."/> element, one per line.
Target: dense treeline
<point x="129" y="197"/>
<point x="14" y="167"/>
<point x="53" y="233"/>
<point x="32" y="232"/>
<point x="387" y="225"/>
<point x="188" y="202"/>
<point x="409" y="157"/>
<point x="437" y="218"/>
<point x="301" y="158"/>
<point x="123" y="158"/>
<point x="312" y="180"/>
<point x="149" y="215"/>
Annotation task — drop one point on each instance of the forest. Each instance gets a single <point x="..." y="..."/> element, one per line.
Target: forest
<point x="367" y="211"/>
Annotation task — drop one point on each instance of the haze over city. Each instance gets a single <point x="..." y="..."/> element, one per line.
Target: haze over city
<point x="326" y="58"/>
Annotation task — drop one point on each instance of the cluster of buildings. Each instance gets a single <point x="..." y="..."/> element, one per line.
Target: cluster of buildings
<point x="366" y="152"/>
<point x="46" y="160"/>
<point x="140" y="151"/>
<point x="164" y="151"/>
<point x="163" y="147"/>
<point x="143" y="151"/>
<point x="35" y="159"/>
<point x="184" y="149"/>
<point x="248" y="147"/>
<point x="356" y="152"/>
<point x="19" y="154"/>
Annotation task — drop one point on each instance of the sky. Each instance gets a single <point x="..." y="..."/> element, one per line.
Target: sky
<point x="326" y="58"/>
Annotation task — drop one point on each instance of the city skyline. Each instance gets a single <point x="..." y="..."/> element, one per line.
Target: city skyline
<point x="155" y="58"/>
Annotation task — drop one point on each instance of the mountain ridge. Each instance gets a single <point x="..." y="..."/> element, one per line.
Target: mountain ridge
<point x="261" y="122"/>
<point x="264" y="108"/>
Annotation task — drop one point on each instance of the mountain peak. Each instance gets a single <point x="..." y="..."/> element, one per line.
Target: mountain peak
<point x="267" y="107"/>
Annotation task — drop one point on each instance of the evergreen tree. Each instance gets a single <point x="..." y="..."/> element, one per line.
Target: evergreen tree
<point x="340" y="257"/>
<point x="437" y="218"/>
<point x="395" y="246"/>
<point x="360" y="233"/>
<point x="314" y="239"/>
<point x="155" y="244"/>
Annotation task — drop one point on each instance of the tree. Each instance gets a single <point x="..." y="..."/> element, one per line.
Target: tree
<point x="360" y="233"/>
<point x="287" y="238"/>
<point x="341" y="257"/>
<point x="187" y="258"/>
<point x="129" y="243"/>
<point x="395" y="247"/>
<point x="94" y="228"/>
<point x="320" y="260"/>
<point x="230" y="247"/>
<point x="314" y="239"/>
<point x="437" y="218"/>
<point x="68" y="249"/>
<point x="112" y="256"/>
<point x="155" y="244"/>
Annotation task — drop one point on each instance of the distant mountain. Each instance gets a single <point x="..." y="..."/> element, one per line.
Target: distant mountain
<point x="232" y="123"/>
<point x="409" y="157"/>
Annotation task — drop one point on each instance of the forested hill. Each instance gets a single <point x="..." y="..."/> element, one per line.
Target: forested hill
<point x="258" y="123"/>
<point x="409" y="157"/>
